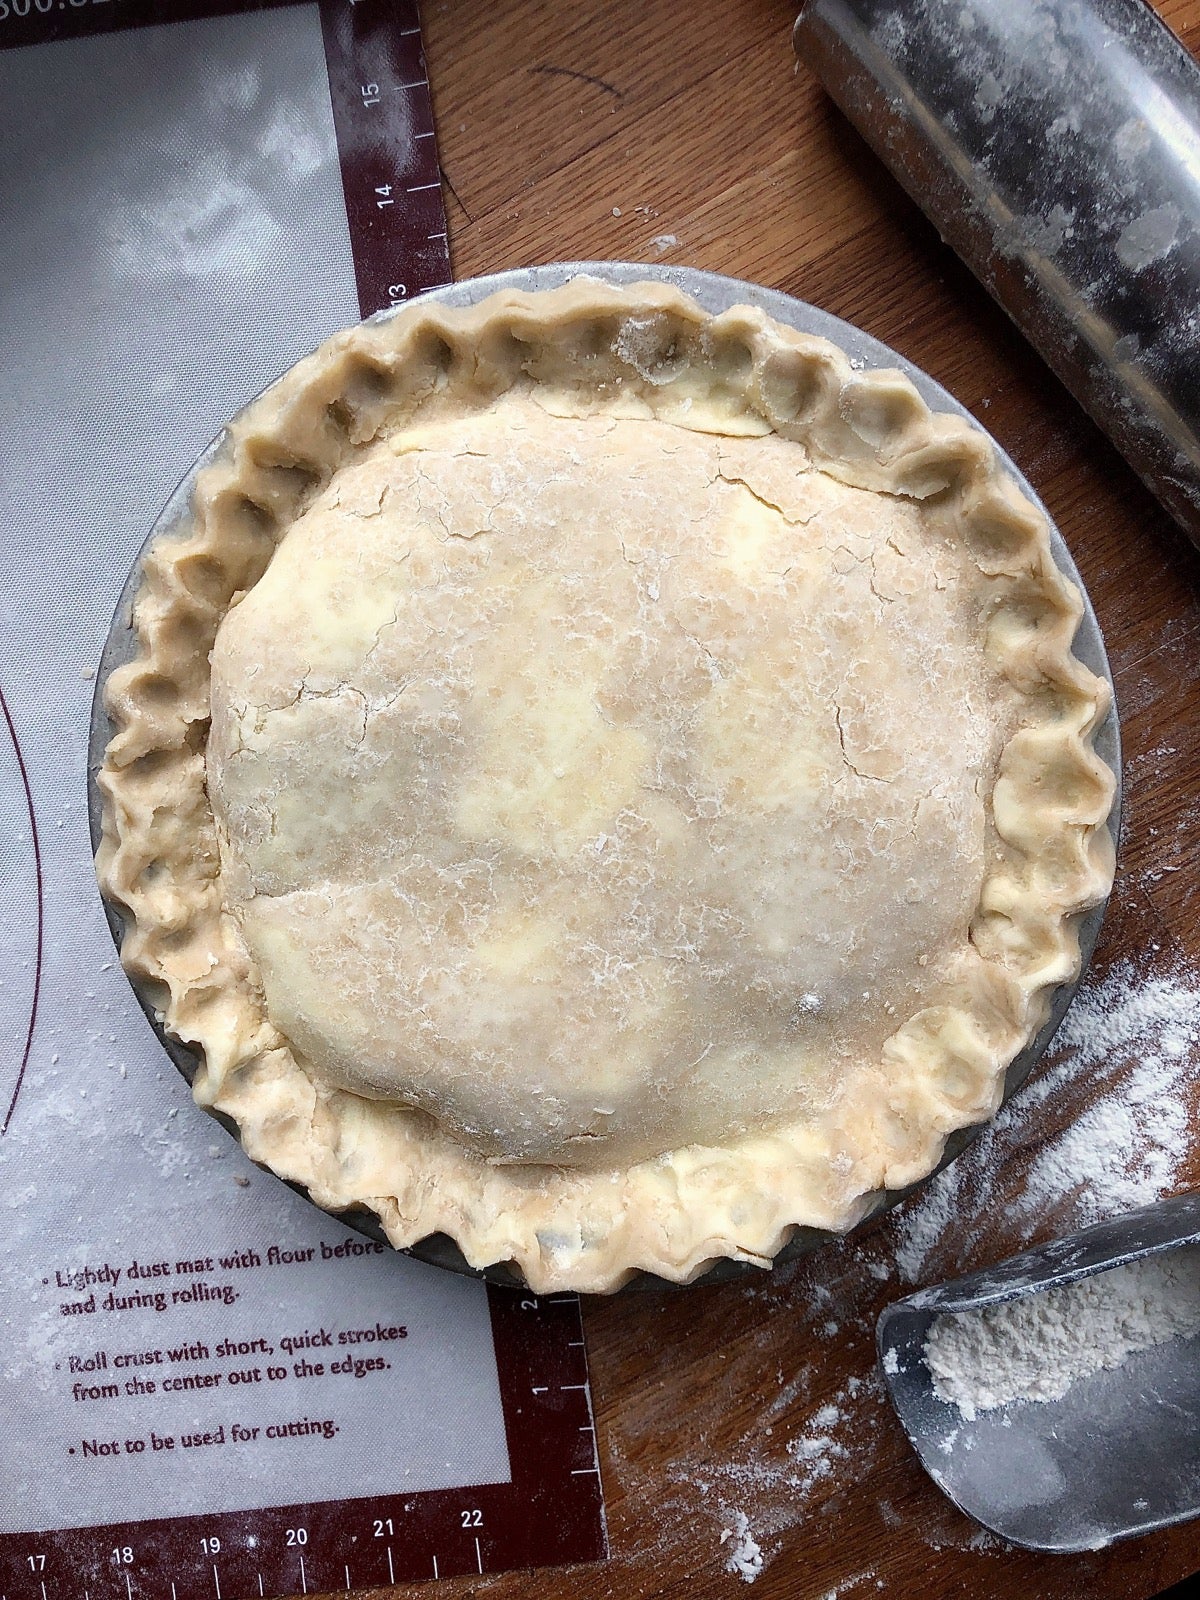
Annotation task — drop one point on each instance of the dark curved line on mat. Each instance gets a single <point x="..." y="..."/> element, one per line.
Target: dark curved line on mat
<point x="37" y="969"/>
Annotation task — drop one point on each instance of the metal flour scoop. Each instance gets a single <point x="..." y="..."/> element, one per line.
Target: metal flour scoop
<point x="1117" y="1455"/>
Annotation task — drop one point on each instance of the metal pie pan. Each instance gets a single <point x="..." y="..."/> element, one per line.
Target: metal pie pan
<point x="715" y="293"/>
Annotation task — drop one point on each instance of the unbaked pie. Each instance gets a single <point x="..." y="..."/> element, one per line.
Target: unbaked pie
<point x="601" y="781"/>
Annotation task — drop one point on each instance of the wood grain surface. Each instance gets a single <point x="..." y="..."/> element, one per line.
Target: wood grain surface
<point x="655" y="131"/>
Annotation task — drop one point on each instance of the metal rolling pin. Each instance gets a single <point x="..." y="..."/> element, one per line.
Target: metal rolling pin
<point x="1055" y="144"/>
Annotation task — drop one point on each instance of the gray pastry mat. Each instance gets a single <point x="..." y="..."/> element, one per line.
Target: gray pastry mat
<point x="174" y="202"/>
<point x="715" y="293"/>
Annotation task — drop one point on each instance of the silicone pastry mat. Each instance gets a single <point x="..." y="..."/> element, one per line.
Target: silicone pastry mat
<point x="207" y="1388"/>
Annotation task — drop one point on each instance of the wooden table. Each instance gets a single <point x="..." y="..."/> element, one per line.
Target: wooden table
<point x="654" y="131"/>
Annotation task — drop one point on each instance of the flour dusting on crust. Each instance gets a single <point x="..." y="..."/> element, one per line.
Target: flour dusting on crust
<point x="426" y="1160"/>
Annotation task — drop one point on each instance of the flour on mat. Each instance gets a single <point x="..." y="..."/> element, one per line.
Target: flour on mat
<point x="1134" y="1041"/>
<point x="744" y="1556"/>
<point x="1035" y="1347"/>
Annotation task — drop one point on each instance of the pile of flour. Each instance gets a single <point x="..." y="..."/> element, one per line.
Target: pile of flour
<point x="1036" y="1346"/>
<point x="745" y="1557"/>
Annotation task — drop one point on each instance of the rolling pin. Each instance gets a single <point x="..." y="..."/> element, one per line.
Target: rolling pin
<point x="1055" y="144"/>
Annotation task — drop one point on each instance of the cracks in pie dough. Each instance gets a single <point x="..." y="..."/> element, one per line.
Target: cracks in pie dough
<point x="601" y="781"/>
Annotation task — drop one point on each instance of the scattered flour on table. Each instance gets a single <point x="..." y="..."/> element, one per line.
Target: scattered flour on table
<point x="817" y="1449"/>
<point x="1130" y="1055"/>
<point x="744" y="1557"/>
<point x="775" y="1488"/>
<point x="1036" y="1346"/>
<point x="1133" y="1043"/>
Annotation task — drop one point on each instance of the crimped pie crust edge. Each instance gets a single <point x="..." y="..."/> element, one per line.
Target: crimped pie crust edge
<point x="158" y="859"/>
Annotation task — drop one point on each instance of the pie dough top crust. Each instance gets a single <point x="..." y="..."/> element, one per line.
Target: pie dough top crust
<point x="649" y="791"/>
